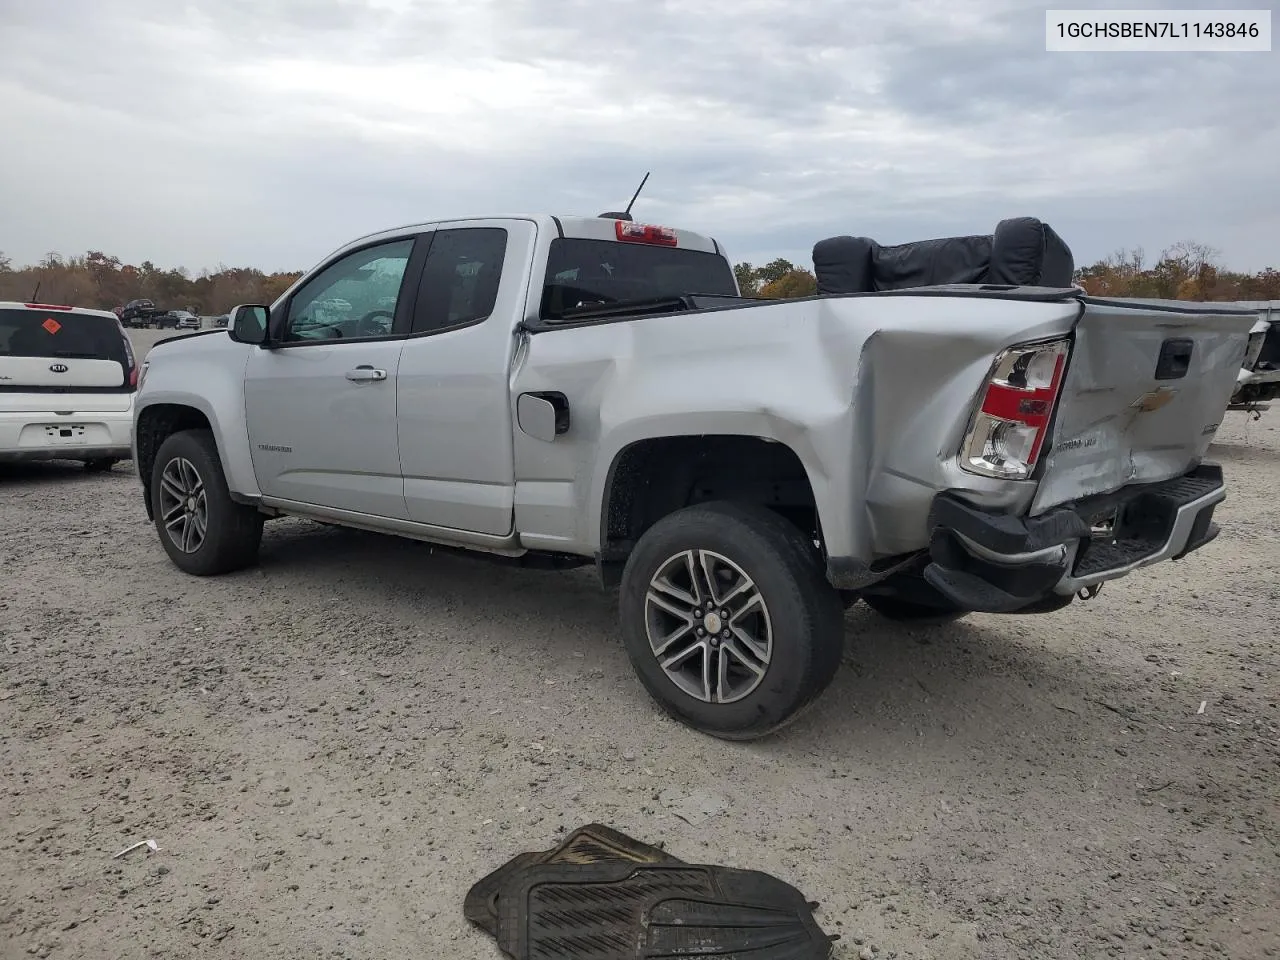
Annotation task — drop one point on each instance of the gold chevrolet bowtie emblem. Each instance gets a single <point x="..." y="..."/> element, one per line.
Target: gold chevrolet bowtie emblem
<point x="1154" y="400"/>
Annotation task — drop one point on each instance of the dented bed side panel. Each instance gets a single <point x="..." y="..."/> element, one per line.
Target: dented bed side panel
<point x="872" y="394"/>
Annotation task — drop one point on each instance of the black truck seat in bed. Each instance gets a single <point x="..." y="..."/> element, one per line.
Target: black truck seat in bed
<point x="1023" y="251"/>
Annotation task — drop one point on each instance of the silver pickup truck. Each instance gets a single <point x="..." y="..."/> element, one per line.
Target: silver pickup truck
<point x="572" y="391"/>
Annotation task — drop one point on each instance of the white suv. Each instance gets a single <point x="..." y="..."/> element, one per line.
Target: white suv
<point x="68" y="378"/>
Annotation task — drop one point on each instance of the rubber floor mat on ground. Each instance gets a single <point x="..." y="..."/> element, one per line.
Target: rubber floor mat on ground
<point x="592" y="898"/>
<point x="594" y="843"/>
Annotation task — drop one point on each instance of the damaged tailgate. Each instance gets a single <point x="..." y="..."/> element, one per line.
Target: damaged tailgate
<point x="1144" y="394"/>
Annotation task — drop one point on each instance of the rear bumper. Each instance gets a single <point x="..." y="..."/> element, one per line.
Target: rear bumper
<point x="998" y="563"/>
<point x="76" y="436"/>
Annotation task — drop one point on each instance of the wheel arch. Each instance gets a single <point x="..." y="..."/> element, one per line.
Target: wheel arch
<point x="649" y="477"/>
<point x="162" y="417"/>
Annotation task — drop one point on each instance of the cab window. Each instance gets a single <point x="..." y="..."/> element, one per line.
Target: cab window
<point x="459" y="283"/>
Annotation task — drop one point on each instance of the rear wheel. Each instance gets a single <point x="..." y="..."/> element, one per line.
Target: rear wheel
<point x="100" y="465"/>
<point x="728" y="619"/>
<point x="202" y="529"/>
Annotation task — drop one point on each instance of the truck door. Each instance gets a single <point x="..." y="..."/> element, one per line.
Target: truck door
<point x="454" y="404"/>
<point x="321" y="405"/>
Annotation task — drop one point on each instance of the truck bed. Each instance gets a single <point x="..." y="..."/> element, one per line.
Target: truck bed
<point x="873" y="394"/>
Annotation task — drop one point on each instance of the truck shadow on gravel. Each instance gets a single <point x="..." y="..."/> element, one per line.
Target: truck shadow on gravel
<point x="33" y="474"/>
<point x="901" y="689"/>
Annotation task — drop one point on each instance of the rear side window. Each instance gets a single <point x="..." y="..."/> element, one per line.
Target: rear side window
<point x="584" y="272"/>
<point x="460" y="280"/>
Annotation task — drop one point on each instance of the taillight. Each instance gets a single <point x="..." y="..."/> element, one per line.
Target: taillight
<point x="46" y="306"/>
<point x="132" y="362"/>
<point x="1007" y="430"/>
<point x="630" y="232"/>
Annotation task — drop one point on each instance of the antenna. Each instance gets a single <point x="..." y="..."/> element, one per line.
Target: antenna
<point x="636" y="194"/>
<point x="36" y="293"/>
<point x="626" y="214"/>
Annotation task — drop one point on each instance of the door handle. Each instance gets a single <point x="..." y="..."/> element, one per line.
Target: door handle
<point x="364" y="372"/>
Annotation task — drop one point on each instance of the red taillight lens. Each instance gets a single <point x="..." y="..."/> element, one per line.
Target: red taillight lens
<point x="132" y="361"/>
<point x="630" y="232"/>
<point x="46" y="306"/>
<point x="1007" y="431"/>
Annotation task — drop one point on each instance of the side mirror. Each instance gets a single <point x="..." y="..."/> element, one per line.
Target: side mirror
<point x="248" y="323"/>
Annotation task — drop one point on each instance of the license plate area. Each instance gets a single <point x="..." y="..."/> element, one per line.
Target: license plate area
<point x="70" y="433"/>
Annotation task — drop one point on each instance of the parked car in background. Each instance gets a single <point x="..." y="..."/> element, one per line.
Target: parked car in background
<point x="571" y="390"/>
<point x="1259" y="381"/>
<point x="185" y="320"/>
<point x="140" y="313"/>
<point x="68" y="379"/>
<point x="220" y="320"/>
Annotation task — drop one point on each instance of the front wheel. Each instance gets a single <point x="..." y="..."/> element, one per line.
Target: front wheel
<point x="202" y="529"/>
<point x="728" y="619"/>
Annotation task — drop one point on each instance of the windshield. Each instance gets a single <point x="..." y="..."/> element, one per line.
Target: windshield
<point x="587" y="272"/>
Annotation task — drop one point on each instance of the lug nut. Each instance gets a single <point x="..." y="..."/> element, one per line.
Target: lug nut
<point x="726" y="633"/>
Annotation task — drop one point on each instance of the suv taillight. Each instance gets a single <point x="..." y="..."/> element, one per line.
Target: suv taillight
<point x="1007" y="431"/>
<point x="132" y="372"/>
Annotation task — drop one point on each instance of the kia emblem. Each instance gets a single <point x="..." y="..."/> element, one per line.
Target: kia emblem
<point x="59" y="367"/>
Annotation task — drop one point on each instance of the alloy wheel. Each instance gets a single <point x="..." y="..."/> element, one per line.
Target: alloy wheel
<point x="184" y="507"/>
<point x="708" y="626"/>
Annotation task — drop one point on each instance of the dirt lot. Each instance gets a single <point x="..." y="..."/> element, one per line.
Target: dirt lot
<point x="328" y="750"/>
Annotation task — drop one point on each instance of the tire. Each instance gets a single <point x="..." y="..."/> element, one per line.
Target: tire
<point x="232" y="531"/>
<point x="101" y="465"/>
<point x="804" y="623"/>
<point x="906" y="611"/>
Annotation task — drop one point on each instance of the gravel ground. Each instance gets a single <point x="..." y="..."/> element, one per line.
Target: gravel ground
<point x="329" y="749"/>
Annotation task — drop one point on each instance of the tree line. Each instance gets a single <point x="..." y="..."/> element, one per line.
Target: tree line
<point x="105" y="282"/>
<point x="1184" y="271"/>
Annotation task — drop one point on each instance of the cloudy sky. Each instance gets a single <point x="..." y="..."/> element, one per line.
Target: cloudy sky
<point x="267" y="132"/>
